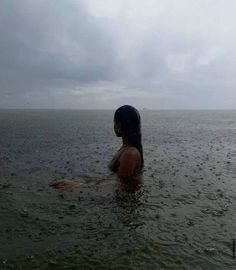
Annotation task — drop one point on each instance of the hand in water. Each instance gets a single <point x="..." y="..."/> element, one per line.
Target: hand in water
<point x="63" y="184"/>
<point x="66" y="183"/>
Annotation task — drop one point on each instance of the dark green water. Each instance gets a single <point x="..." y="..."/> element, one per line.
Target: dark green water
<point x="183" y="216"/>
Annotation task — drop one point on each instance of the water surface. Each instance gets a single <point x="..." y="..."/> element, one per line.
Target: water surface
<point x="183" y="216"/>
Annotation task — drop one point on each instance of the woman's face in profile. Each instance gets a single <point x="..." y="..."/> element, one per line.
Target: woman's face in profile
<point x="117" y="129"/>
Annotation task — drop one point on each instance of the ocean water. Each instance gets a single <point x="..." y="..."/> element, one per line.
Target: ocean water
<point x="182" y="217"/>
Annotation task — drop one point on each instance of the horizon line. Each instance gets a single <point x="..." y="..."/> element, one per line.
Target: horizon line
<point x="98" y="109"/>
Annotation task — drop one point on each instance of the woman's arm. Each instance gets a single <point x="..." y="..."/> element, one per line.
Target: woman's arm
<point x="65" y="183"/>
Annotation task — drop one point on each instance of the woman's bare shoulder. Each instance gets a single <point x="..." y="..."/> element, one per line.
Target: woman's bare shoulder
<point x="129" y="153"/>
<point x="132" y="150"/>
<point x="129" y="162"/>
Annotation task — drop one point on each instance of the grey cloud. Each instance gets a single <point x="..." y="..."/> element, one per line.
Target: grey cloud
<point x="45" y="41"/>
<point x="57" y="53"/>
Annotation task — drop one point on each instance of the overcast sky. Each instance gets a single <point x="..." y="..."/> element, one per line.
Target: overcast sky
<point x="100" y="54"/>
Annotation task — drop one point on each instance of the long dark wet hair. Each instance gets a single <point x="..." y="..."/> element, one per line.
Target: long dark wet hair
<point x="130" y="121"/>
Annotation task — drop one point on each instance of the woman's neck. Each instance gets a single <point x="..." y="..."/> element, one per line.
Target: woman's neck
<point x="125" y="141"/>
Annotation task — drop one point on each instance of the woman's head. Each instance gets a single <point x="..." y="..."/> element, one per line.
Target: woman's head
<point x="127" y="123"/>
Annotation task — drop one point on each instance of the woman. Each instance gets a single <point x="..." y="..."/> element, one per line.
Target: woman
<point x="128" y="161"/>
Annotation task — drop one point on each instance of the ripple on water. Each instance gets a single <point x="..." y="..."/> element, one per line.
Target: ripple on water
<point x="176" y="224"/>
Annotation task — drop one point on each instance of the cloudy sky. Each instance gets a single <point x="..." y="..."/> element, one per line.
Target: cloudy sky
<point x="100" y="54"/>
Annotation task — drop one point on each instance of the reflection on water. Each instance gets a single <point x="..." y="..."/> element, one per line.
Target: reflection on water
<point x="130" y="185"/>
